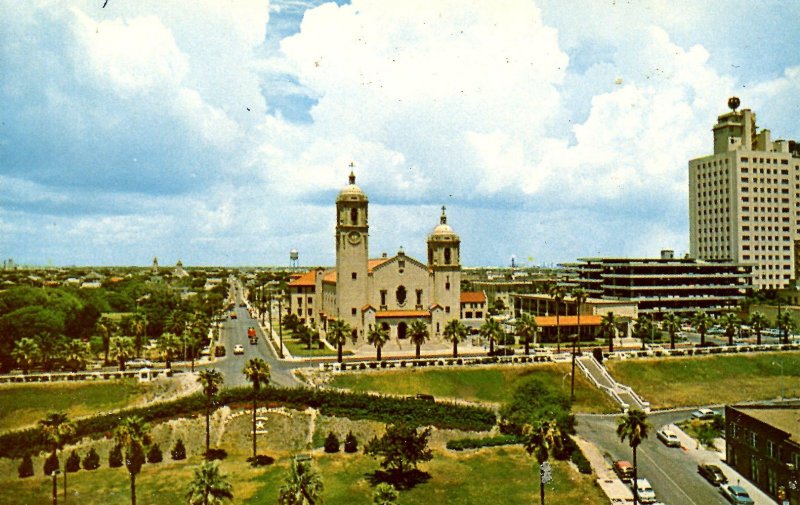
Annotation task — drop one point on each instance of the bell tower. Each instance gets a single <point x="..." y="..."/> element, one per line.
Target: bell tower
<point x="352" y="253"/>
<point x="444" y="263"/>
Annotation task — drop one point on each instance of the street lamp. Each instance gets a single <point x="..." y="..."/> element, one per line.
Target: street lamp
<point x="574" y="338"/>
<point x="280" y="324"/>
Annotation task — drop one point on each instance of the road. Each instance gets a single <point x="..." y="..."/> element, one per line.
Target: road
<point x="234" y="331"/>
<point x="671" y="471"/>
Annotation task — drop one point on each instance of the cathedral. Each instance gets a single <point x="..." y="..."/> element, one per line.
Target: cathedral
<point x="391" y="292"/>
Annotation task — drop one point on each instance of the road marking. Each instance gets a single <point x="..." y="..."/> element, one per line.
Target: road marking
<point x="678" y="487"/>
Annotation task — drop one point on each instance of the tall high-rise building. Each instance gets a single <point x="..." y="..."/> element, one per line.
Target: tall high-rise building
<point x="744" y="200"/>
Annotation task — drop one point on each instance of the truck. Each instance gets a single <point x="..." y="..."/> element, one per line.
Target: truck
<point x="251" y="334"/>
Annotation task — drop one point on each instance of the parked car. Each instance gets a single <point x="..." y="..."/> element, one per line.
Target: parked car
<point x="736" y="494"/>
<point x="238" y="349"/>
<point x="139" y="363"/>
<point x="712" y="474"/>
<point x="624" y="470"/>
<point x="703" y="414"/>
<point x="645" y="491"/>
<point x="668" y="436"/>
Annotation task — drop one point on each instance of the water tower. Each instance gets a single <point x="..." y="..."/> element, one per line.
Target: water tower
<point x="294" y="257"/>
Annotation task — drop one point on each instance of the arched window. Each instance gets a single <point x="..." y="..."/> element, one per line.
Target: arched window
<point x="401" y="295"/>
<point x="446" y="255"/>
<point x="353" y="216"/>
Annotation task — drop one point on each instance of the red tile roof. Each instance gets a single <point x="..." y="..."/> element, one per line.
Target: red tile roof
<point x="306" y="279"/>
<point x="331" y="276"/>
<point x="402" y="313"/>
<point x="586" y="320"/>
<point x="473" y="297"/>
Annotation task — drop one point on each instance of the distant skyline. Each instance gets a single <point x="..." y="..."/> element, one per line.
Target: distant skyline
<point x="218" y="133"/>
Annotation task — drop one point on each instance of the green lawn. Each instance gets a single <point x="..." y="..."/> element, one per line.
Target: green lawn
<point x="297" y="348"/>
<point x="483" y="384"/>
<point x="506" y="476"/>
<point x="22" y="405"/>
<point x="689" y="381"/>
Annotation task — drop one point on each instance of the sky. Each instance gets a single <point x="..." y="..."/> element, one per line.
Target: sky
<point x="219" y="132"/>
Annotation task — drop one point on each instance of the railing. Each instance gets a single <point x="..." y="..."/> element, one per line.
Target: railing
<point x="352" y="365"/>
<point x="142" y="374"/>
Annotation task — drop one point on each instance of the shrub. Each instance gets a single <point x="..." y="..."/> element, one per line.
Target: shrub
<point x="580" y="461"/>
<point x="460" y="444"/>
<point x="92" y="460"/>
<point x="216" y="453"/>
<point x="115" y="457"/>
<point x="598" y="354"/>
<point x="73" y="463"/>
<point x="179" y="451"/>
<point x="331" y="443"/>
<point x="350" y="443"/>
<point x="25" y="468"/>
<point x="51" y="464"/>
<point x="154" y="455"/>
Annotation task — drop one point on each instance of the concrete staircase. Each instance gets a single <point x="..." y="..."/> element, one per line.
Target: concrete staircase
<point x="622" y="394"/>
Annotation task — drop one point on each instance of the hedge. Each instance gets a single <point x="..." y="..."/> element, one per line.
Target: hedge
<point x="351" y="405"/>
<point x="460" y="444"/>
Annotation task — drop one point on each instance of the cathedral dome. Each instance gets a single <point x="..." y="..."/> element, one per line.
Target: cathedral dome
<point x="443" y="230"/>
<point x="351" y="192"/>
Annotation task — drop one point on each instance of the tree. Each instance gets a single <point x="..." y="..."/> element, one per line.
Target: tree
<point x="672" y="323"/>
<point x="491" y="331"/>
<point x="541" y="440"/>
<point x="168" y="344"/>
<point x="385" y="494"/>
<point x="350" y="443"/>
<point x="785" y="325"/>
<point x="139" y="327"/>
<point x="25" y="468"/>
<point x="57" y="431"/>
<point x="210" y="380"/>
<point x="643" y="328"/>
<point x="154" y="455"/>
<point x="455" y="332"/>
<point x="418" y="332"/>
<point x="303" y="485"/>
<point x="25" y="353"/>
<point x="122" y="349"/>
<point x="338" y="331"/>
<point x="51" y="464"/>
<point x="179" y="451"/>
<point x="535" y="400"/>
<point x="377" y="336"/>
<point x="115" y="456"/>
<point x="731" y="324"/>
<point x="73" y="463"/>
<point x="92" y="460"/>
<point x="50" y="346"/>
<point x="402" y="447"/>
<point x="331" y="443"/>
<point x="132" y="435"/>
<point x="608" y="326"/>
<point x="758" y="321"/>
<point x="526" y="327"/>
<point x="702" y="322"/>
<point x="633" y="426"/>
<point x="557" y="293"/>
<point x="580" y="296"/>
<point x="257" y="372"/>
<point x="105" y="327"/>
<point x="209" y="487"/>
<point x="76" y="354"/>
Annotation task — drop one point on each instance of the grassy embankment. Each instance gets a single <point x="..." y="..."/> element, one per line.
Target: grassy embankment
<point x="707" y="380"/>
<point x="493" y="384"/>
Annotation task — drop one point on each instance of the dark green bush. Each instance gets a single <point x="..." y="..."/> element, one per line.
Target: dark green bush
<point x="179" y="451"/>
<point x="73" y="463"/>
<point x="580" y="461"/>
<point x="350" y="443"/>
<point x="51" y="464"/>
<point x="25" y="468"/>
<point x="460" y="444"/>
<point x="154" y="455"/>
<point x="331" y="443"/>
<point x="92" y="460"/>
<point x="115" y="457"/>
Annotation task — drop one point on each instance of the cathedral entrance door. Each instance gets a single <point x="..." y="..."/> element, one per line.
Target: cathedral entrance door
<point x="402" y="330"/>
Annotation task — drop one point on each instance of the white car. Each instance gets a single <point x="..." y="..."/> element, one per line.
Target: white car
<point x="668" y="436"/>
<point x="139" y="363"/>
<point x="238" y="349"/>
<point x="645" y="491"/>
<point x="703" y="414"/>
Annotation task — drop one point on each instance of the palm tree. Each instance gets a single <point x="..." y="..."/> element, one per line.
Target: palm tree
<point x="377" y="336"/>
<point x="672" y="323"/>
<point x="608" y="326"/>
<point x="105" y="328"/>
<point x="557" y="293"/>
<point x="303" y="485"/>
<point x="541" y="441"/>
<point x="455" y="332"/>
<point x="702" y="322"/>
<point x="76" y="354"/>
<point x="57" y="430"/>
<point x="731" y="324"/>
<point x="25" y="353"/>
<point x="257" y="372"/>
<point x="133" y="434"/>
<point x="209" y="487"/>
<point x="580" y="297"/>
<point x="338" y="331"/>
<point x="418" y="332"/>
<point x="633" y="426"/>
<point x="139" y="327"/>
<point x="492" y="331"/>
<point x="758" y="321"/>
<point x="211" y="380"/>
<point x="643" y="328"/>
<point x="122" y="349"/>
<point x="167" y="344"/>
<point x="785" y="325"/>
<point x="526" y="327"/>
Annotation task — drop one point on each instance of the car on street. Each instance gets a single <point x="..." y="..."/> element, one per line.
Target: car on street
<point x="712" y="474"/>
<point x="668" y="436"/>
<point x="238" y="349"/>
<point x="645" y="491"/>
<point x="139" y="363"/>
<point x="703" y="414"/>
<point x="624" y="470"/>
<point x="736" y="494"/>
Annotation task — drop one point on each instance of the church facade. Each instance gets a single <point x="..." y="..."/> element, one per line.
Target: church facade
<point x="388" y="291"/>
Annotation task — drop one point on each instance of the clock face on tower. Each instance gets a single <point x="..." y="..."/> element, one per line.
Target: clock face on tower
<point x="354" y="237"/>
